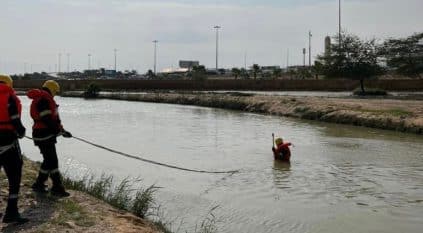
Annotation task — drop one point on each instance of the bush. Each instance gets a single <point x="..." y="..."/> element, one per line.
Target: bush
<point x="92" y="91"/>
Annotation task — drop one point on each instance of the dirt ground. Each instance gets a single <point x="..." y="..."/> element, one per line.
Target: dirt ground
<point x="77" y="213"/>
<point x="383" y="113"/>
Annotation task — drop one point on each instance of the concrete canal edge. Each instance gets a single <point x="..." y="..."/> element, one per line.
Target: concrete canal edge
<point x="388" y="114"/>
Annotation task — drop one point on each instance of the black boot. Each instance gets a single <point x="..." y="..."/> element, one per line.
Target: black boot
<point x="58" y="189"/>
<point x="12" y="214"/>
<point x="39" y="185"/>
<point x="14" y="217"/>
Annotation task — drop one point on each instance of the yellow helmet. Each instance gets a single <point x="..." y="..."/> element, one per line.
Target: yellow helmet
<point x="278" y="141"/>
<point x="6" y="79"/>
<point x="52" y="86"/>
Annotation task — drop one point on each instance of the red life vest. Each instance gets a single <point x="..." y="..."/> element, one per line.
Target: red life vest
<point x="36" y="95"/>
<point x="5" y="93"/>
<point x="283" y="152"/>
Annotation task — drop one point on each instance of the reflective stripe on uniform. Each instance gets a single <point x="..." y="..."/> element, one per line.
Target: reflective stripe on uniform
<point x="44" y="171"/>
<point x="6" y="148"/>
<point x="54" y="171"/>
<point x="45" y="113"/>
<point x="13" y="196"/>
<point x="44" y="138"/>
<point x="14" y="117"/>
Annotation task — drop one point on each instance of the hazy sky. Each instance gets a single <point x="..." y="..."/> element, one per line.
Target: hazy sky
<point x="34" y="32"/>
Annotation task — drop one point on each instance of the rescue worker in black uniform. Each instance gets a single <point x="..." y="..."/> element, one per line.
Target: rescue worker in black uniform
<point x="47" y="126"/>
<point x="11" y="129"/>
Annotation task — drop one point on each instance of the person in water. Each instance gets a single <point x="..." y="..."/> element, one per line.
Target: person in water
<point x="282" y="151"/>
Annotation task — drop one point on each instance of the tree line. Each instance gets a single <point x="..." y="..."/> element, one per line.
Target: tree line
<point x="355" y="58"/>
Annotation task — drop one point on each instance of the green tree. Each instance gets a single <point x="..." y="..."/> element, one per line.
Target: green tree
<point x="244" y="73"/>
<point x="304" y="72"/>
<point x="354" y="59"/>
<point x="405" y="55"/>
<point x="199" y="72"/>
<point x="92" y="91"/>
<point x="277" y="73"/>
<point x="236" y="72"/>
<point x="150" y="74"/>
<point x="256" y="70"/>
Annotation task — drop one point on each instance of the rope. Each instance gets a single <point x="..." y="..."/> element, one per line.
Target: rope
<point x="149" y="161"/>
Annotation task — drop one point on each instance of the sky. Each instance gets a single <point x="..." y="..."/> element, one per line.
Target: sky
<point x="35" y="32"/>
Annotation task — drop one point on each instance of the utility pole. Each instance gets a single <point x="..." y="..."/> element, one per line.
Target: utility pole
<point x="68" y="56"/>
<point x="245" y="60"/>
<point x="309" y="48"/>
<point x="217" y="47"/>
<point x="89" y="61"/>
<point x="155" y="55"/>
<point x="287" y="59"/>
<point x="304" y="55"/>
<point x="340" y="30"/>
<point x="60" y="62"/>
<point x="115" y="50"/>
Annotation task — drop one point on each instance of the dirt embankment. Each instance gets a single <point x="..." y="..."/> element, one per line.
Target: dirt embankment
<point x="77" y="213"/>
<point x="399" y="115"/>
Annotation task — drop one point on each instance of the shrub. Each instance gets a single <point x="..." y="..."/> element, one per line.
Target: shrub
<point x="92" y="91"/>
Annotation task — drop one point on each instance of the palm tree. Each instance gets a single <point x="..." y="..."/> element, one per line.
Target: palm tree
<point x="236" y="72"/>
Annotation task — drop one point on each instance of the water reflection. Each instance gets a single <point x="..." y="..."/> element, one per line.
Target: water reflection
<point x="281" y="172"/>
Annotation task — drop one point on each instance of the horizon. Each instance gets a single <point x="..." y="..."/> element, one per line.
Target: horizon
<point x="263" y="31"/>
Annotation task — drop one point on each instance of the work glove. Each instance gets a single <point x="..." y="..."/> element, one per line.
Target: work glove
<point x="21" y="132"/>
<point x="66" y="134"/>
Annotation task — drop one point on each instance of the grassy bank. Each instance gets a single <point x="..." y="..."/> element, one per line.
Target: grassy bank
<point x="398" y="115"/>
<point x="81" y="212"/>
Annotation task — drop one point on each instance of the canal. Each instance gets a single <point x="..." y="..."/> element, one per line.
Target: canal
<point x="341" y="179"/>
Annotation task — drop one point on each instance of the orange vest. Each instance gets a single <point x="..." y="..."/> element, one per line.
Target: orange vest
<point x="36" y="95"/>
<point x="5" y="93"/>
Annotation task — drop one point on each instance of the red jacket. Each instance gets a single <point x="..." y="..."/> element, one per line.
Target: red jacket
<point x="6" y="93"/>
<point x="36" y="95"/>
<point x="282" y="152"/>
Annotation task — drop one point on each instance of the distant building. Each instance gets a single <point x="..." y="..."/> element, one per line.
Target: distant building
<point x="174" y="71"/>
<point x="188" y="64"/>
<point x="111" y="73"/>
<point x="294" y="68"/>
<point x="269" y="69"/>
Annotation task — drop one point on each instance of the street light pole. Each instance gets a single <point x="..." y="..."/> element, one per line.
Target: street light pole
<point x="155" y="55"/>
<point x="68" y="55"/>
<point x="309" y="48"/>
<point x="115" y="50"/>
<point x="287" y="59"/>
<point x="340" y="30"/>
<point x="89" y="61"/>
<point x="60" y="62"/>
<point x="245" y="60"/>
<point x="217" y="47"/>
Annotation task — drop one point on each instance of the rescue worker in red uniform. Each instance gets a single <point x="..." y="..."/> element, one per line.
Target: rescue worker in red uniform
<point x="282" y="151"/>
<point x="11" y="129"/>
<point x="47" y="126"/>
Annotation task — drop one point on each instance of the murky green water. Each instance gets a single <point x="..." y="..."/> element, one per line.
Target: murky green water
<point x="341" y="179"/>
